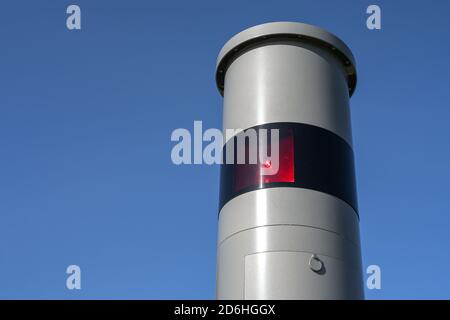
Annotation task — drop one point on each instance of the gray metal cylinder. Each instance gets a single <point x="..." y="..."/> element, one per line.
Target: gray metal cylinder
<point x="291" y="241"/>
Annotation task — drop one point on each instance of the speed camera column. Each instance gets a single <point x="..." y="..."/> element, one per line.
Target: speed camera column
<point x="293" y="234"/>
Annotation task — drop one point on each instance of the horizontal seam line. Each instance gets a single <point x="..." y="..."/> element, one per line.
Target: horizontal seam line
<point x="292" y="225"/>
<point x="301" y="251"/>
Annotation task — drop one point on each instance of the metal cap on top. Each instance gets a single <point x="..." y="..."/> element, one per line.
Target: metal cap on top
<point x="269" y="33"/>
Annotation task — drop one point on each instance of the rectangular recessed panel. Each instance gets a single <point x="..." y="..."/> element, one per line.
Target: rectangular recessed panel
<point x="287" y="275"/>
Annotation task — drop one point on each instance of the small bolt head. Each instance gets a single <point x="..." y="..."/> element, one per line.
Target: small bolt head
<point x="315" y="263"/>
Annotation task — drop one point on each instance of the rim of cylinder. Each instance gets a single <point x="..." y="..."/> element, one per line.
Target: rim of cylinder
<point x="268" y="33"/>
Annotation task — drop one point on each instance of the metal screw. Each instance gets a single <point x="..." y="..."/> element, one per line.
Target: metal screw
<point x="315" y="263"/>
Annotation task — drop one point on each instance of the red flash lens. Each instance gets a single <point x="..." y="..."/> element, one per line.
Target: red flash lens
<point x="249" y="175"/>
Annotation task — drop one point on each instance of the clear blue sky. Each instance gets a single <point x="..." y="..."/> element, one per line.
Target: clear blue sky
<point x="86" y="116"/>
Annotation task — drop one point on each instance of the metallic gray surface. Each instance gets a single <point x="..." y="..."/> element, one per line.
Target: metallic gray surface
<point x="294" y="220"/>
<point x="293" y="263"/>
<point x="344" y="282"/>
<point x="303" y="33"/>
<point x="287" y="83"/>
<point x="267" y="237"/>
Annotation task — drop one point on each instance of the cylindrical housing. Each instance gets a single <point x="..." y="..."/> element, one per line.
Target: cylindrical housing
<point x="295" y="236"/>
